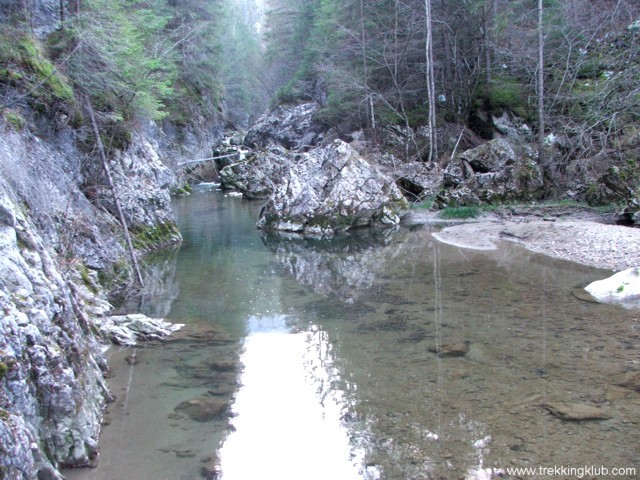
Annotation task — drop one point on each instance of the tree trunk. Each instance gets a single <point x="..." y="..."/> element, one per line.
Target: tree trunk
<point x="114" y="192"/>
<point x="540" y="83"/>
<point x="371" y="119"/>
<point x="431" y="90"/>
<point x="61" y="14"/>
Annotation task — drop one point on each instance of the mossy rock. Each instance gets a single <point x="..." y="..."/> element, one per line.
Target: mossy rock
<point x="156" y="236"/>
<point x="27" y="68"/>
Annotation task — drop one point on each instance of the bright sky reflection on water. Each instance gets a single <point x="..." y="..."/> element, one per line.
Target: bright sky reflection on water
<point x="287" y="419"/>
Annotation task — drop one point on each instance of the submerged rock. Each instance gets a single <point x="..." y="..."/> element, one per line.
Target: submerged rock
<point x="630" y="380"/>
<point x="623" y="287"/>
<point x="450" y="349"/>
<point x="330" y="190"/>
<point x="576" y="411"/>
<point x="210" y="467"/>
<point x="203" y="409"/>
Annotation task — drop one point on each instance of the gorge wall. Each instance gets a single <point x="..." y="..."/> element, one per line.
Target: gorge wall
<point x="58" y="237"/>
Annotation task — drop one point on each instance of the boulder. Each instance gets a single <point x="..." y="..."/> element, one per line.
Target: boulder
<point x="292" y="127"/>
<point x="576" y="412"/>
<point x="450" y="349"/>
<point x="630" y="380"/>
<point x="494" y="172"/>
<point x="330" y="190"/>
<point x="203" y="409"/>
<point x="130" y="329"/>
<point x="623" y="287"/>
<point x="419" y="180"/>
<point x="512" y="127"/>
<point x="257" y="173"/>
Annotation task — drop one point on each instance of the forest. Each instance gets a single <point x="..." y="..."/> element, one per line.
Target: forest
<point x="341" y="115"/>
<point x="568" y="69"/>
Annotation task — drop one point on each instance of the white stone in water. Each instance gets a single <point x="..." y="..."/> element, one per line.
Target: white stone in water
<point x="624" y="287"/>
<point x="129" y="329"/>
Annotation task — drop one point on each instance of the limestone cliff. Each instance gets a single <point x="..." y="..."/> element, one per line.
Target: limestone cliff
<point x="57" y="235"/>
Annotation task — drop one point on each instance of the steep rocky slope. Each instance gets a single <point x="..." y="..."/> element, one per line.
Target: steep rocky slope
<point x="58" y="236"/>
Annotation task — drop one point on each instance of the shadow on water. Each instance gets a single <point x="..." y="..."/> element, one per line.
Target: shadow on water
<point x="368" y="356"/>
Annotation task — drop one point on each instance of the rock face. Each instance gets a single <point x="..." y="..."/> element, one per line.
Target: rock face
<point x="331" y="190"/>
<point x="143" y="183"/>
<point x="51" y="387"/>
<point x="56" y="233"/>
<point x="256" y="173"/>
<point x="291" y="127"/>
<point x="491" y="173"/>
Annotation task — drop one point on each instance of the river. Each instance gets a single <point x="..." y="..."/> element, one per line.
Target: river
<point x="317" y="360"/>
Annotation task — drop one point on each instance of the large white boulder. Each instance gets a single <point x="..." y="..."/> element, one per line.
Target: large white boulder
<point x="330" y="190"/>
<point x="623" y="287"/>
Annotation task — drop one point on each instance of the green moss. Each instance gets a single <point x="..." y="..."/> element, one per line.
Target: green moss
<point x="14" y="119"/>
<point x="424" y="203"/>
<point x="86" y="279"/>
<point x="116" y="276"/>
<point x="4" y="369"/>
<point x="185" y="189"/>
<point x="26" y="67"/>
<point x="152" y="237"/>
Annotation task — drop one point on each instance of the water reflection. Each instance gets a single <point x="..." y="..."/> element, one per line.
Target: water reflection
<point x="392" y="357"/>
<point x="288" y="413"/>
<point x="161" y="286"/>
<point x="342" y="266"/>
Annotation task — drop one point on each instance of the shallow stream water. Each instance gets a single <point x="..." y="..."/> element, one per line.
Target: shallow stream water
<point x="315" y="360"/>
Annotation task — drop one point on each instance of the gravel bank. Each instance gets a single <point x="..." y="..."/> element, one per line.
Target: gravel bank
<point x="579" y="236"/>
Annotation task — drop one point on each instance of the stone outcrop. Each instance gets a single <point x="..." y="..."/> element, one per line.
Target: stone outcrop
<point x="494" y="172"/>
<point x="293" y="128"/>
<point x="129" y="330"/>
<point x="330" y="190"/>
<point x="143" y="183"/>
<point x="56" y="232"/>
<point x="52" y="390"/>
<point x="256" y="173"/>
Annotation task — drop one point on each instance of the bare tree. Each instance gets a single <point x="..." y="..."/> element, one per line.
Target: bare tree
<point x="540" y="82"/>
<point x="431" y="90"/>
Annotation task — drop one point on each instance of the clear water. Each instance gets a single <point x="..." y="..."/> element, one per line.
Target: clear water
<point x="321" y="350"/>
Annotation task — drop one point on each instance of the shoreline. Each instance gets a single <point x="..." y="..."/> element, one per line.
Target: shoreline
<point x="582" y="236"/>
